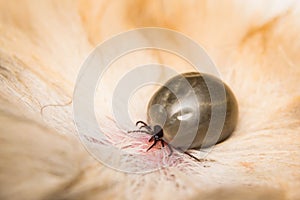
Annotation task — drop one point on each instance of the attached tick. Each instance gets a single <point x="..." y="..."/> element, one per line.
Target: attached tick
<point x="189" y="122"/>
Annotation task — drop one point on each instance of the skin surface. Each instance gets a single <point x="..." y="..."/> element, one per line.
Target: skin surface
<point x="186" y="101"/>
<point x="254" y="44"/>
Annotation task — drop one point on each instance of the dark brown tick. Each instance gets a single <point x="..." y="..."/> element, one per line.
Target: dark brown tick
<point x="184" y="113"/>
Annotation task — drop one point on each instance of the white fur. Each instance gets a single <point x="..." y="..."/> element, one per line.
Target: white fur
<point x="255" y="45"/>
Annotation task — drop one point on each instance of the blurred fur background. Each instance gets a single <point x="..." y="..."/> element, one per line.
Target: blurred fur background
<point x="255" y="44"/>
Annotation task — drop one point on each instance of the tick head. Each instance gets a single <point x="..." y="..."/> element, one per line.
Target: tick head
<point x="158" y="131"/>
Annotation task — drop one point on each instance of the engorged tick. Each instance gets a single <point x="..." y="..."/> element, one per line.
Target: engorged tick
<point x="191" y="111"/>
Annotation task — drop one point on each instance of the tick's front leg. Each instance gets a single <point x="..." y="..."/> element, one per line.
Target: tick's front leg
<point x="152" y="145"/>
<point x="141" y="122"/>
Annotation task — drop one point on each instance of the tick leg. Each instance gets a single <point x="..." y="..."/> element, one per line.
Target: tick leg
<point x="154" y="143"/>
<point x="169" y="146"/>
<point x="141" y="122"/>
<point x="151" y="139"/>
<point x="187" y="153"/>
<point x="139" y="131"/>
<point x="162" y="143"/>
<point x="146" y="127"/>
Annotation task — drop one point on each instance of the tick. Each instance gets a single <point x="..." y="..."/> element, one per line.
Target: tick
<point x="182" y="113"/>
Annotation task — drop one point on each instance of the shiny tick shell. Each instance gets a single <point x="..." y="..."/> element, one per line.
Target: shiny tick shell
<point x="185" y="108"/>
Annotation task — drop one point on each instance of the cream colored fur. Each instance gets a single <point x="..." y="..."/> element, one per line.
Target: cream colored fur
<point x="255" y="44"/>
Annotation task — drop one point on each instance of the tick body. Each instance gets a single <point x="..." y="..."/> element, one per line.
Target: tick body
<point x="191" y="111"/>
